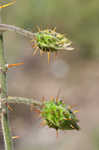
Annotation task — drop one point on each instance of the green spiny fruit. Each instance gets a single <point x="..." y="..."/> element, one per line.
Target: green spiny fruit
<point x="50" y="41"/>
<point x="59" y="116"/>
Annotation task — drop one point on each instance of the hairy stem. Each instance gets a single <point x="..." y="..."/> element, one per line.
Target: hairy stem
<point x="3" y="95"/>
<point x="28" y="34"/>
<point x="23" y="100"/>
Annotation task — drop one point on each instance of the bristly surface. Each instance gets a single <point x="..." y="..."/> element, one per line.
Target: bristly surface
<point x="59" y="116"/>
<point x="50" y="41"/>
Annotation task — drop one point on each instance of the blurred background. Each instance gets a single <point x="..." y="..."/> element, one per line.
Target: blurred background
<point x="76" y="72"/>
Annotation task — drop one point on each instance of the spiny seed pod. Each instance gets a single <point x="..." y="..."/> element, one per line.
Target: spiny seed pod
<point x="50" y="41"/>
<point x="58" y="115"/>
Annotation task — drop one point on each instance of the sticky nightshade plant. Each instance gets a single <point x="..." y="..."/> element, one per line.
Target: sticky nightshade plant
<point x="56" y="114"/>
<point x="50" y="41"/>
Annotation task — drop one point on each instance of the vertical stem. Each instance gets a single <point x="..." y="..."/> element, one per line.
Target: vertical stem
<point x="3" y="94"/>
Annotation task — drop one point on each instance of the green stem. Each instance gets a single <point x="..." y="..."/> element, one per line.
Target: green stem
<point x="23" y="100"/>
<point x="3" y="95"/>
<point x="7" y="27"/>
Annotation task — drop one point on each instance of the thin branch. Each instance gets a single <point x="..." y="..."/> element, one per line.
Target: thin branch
<point x="23" y="100"/>
<point x="5" y="27"/>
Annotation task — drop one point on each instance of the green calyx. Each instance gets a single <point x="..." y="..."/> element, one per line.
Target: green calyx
<point x="51" y="41"/>
<point x="58" y="116"/>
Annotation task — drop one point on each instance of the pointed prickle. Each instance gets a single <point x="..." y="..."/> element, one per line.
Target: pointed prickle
<point x="54" y="30"/>
<point x="38" y="28"/>
<point x="56" y="133"/>
<point x="15" y="137"/>
<point x="8" y="4"/>
<point x="48" y="53"/>
<point x="75" y="111"/>
<point x="35" y="51"/>
<point x="14" y="65"/>
<point x="41" y="53"/>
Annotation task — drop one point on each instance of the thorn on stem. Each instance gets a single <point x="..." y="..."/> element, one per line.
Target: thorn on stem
<point x="9" y="107"/>
<point x="35" y="110"/>
<point x="14" y="65"/>
<point x="15" y="137"/>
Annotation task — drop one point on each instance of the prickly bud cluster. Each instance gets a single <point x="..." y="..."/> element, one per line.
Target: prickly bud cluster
<point x="50" y="41"/>
<point x="58" y="115"/>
